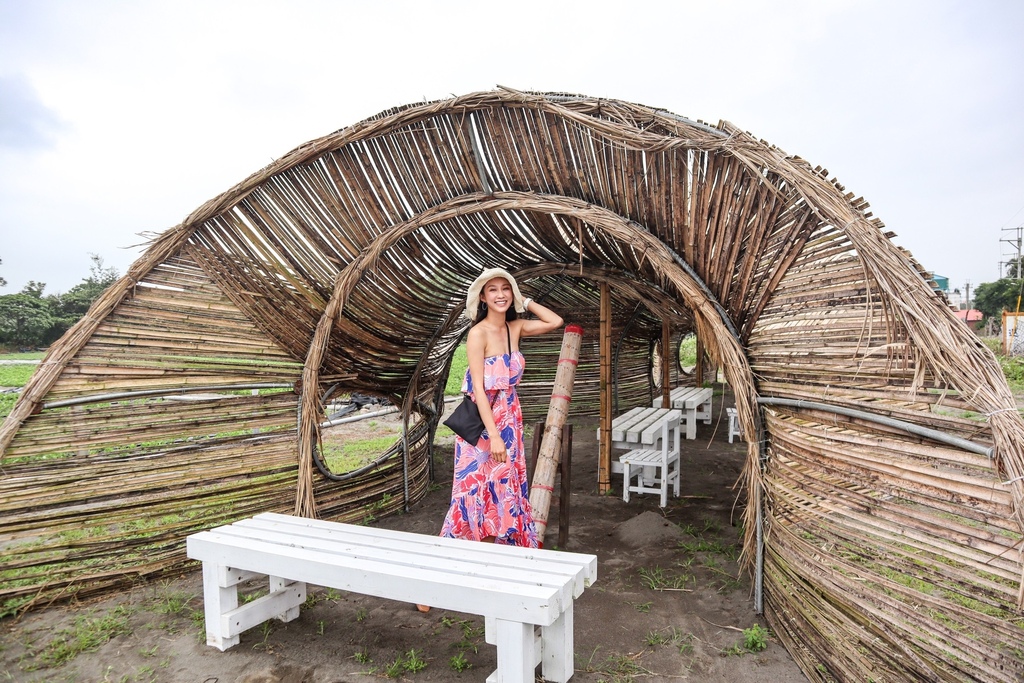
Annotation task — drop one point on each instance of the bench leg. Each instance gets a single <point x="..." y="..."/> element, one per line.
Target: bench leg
<point x="704" y="412"/>
<point x="218" y="599"/>
<point x="627" y="470"/>
<point x="557" y="649"/>
<point x="691" y="423"/>
<point x="279" y="585"/>
<point x="516" y="661"/>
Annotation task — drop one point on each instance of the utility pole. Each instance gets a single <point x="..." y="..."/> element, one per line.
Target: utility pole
<point x="1015" y="242"/>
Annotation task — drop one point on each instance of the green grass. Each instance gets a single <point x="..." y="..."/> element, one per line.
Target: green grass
<point x="7" y="404"/>
<point x="15" y="375"/>
<point x="29" y="355"/>
<point x="458" y="371"/>
<point x="89" y="632"/>
<point x="350" y="455"/>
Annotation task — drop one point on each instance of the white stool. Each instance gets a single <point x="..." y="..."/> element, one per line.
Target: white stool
<point x="734" y="424"/>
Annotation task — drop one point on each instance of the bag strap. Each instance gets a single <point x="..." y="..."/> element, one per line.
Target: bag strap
<point x="508" y="338"/>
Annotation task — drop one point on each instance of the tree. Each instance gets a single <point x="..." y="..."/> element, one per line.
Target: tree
<point x="68" y="308"/>
<point x="992" y="298"/>
<point x="3" y="282"/>
<point x="24" y="320"/>
<point x="33" y="288"/>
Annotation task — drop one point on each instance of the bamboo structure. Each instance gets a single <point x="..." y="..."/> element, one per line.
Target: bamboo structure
<point x="342" y="267"/>
<point x="550" y="445"/>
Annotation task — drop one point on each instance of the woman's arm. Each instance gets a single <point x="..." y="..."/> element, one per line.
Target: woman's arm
<point x="547" y="320"/>
<point x="475" y="344"/>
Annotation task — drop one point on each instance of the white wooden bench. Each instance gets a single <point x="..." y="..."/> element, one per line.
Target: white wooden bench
<point x="525" y="595"/>
<point x="639" y="428"/>
<point x="695" y="402"/>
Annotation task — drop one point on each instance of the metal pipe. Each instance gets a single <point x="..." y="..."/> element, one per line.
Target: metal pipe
<point x="101" y="398"/>
<point x="926" y="432"/>
<point x="361" y="416"/>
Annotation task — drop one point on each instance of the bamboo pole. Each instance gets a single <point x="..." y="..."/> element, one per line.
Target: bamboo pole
<point x="558" y="411"/>
<point x="604" y="458"/>
<point x="666" y="366"/>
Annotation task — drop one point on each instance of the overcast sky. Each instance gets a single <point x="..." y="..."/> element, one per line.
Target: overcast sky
<point x="120" y="118"/>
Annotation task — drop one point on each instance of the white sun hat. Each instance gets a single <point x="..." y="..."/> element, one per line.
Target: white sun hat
<point x="473" y="296"/>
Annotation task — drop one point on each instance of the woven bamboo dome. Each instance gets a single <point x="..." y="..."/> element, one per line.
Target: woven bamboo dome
<point x="883" y="488"/>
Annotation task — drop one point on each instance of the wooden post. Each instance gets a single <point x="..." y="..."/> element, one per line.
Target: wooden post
<point x="565" y="469"/>
<point x="666" y="364"/>
<point x="698" y="372"/>
<point x="604" y="458"/>
<point x="550" y="445"/>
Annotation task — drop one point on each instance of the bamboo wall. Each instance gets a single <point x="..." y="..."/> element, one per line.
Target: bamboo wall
<point x="343" y="266"/>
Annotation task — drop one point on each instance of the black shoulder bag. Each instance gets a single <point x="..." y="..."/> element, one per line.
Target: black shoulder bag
<point x="465" y="419"/>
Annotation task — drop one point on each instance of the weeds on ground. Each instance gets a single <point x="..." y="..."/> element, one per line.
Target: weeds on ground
<point x="471" y="634"/>
<point x="617" y="668"/>
<point x="755" y="639"/>
<point x="409" y="663"/>
<point x="660" y="579"/>
<point x="671" y="636"/>
<point x="88" y="632"/>
<point x="458" y="663"/>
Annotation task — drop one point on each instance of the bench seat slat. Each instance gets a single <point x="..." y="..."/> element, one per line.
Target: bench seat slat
<point x="494" y="552"/>
<point x="582" y="567"/>
<point x="410" y="557"/>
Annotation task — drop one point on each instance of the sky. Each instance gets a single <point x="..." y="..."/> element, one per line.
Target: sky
<point x="119" y="118"/>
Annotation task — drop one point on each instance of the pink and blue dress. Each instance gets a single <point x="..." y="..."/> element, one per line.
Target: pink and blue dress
<point x="491" y="498"/>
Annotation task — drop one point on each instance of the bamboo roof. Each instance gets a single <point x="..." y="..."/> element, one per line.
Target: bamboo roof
<point x="191" y="394"/>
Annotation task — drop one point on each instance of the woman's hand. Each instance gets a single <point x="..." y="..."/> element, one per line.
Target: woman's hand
<point x="498" y="451"/>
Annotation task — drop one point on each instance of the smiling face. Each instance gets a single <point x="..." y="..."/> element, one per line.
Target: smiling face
<point x="497" y="294"/>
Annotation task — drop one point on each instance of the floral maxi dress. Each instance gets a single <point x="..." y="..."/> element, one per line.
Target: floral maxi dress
<point x="491" y="498"/>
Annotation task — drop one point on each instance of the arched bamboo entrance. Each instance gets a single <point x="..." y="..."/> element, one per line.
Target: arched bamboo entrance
<point x="344" y="263"/>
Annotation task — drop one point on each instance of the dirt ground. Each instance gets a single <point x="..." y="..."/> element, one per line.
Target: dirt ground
<point x="667" y="605"/>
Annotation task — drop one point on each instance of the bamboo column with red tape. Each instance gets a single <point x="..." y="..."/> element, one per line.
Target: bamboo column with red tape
<point x="558" y="411"/>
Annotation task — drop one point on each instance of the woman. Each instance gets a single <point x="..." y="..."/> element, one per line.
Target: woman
<point x="490" y="499"/>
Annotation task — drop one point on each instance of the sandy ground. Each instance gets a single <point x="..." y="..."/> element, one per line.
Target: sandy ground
<point x="667" y="605"/>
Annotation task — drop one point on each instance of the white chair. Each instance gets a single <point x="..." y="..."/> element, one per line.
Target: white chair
<point x="734" y="424"/>
<point x="655" y="467"/>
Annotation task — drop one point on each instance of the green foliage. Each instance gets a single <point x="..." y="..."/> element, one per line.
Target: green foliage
<point x="24" y="320"/>
<point x="1012" y="366"/>
<point x="992" y="298"/>
<point x="7" y="402"/>
<point x="459" y="663"/>
<point x="755" y="638"/>
<point x="69" y="307"/>
<point x="458" y="371"/>
<point x="688" y="351"/>
<point x="29" y="319"/>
